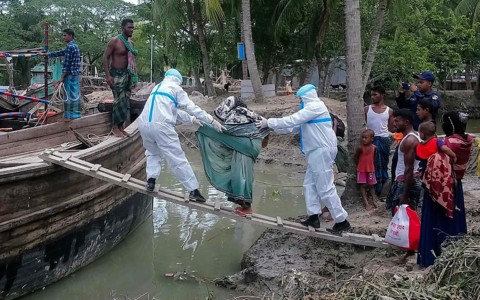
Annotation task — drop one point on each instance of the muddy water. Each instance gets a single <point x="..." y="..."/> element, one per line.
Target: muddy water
<point x="195" y="246"/>
<point x="473" y="126"/>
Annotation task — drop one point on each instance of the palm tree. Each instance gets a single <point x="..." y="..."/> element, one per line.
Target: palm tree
<point x="185" y="17"/>
<point x="372" y="49"/>
<point x="317" y="22"/>
<point x="202" y="39"/>
<point x="250" y="52"/>
<point x="355" y="115"/>
<point x="471" y="9"/>
<point x="214" y="10"/>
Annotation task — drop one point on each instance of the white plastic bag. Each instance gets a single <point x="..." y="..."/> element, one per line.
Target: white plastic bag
<point x="404" y="229"/>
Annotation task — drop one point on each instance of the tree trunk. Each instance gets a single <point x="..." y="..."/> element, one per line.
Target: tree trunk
<point x="244" y="61"/>
<point x="197" y="12"/>
<point x="321" y="70"/>
<point x="468" y="77"/>
<point x="198" y="83"/>
<point x="278" y="78"/>
<point x="377" y="29"/>
<point x="322" y="32"/>
<point x="476" y="91"/>
<point x="265" y="71"/>
<point x="193" y="38"/>
<point x="250" y="52"/>
<point x="355" y="115"/>
<point x="308" y="77"/>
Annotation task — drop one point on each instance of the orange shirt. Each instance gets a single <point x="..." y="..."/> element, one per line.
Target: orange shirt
<point x="424" y="150"/>
<point x="366" y="160"/>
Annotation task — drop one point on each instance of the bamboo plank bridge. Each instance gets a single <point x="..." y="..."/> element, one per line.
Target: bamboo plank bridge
<point x="127" y="181"/>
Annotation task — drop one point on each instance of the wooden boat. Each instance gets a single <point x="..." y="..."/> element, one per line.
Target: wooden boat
<point x="54" y="221"/>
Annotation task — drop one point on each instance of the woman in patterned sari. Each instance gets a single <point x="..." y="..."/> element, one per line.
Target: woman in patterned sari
<point x="437" y="223"/>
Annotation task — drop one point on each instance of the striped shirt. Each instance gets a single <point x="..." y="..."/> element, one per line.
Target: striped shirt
<point x="71" y="64"/>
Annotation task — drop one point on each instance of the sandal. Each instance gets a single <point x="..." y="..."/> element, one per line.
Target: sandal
<point x="243" y="212"/>
<point x="328" y="218"/>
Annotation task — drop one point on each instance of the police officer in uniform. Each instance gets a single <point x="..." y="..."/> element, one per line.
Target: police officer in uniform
<point x="421" y="90"/>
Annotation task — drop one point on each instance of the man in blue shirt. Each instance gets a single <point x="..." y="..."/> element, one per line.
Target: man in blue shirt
<point x="70" y="75"/>
<point x="421" y="90"/>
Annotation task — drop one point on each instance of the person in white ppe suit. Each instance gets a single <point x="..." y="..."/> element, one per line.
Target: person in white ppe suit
<point x="319" y="145"/>
<point x="167" y="102"/>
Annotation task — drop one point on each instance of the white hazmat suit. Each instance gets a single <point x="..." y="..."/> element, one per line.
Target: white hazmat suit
<point x="167" y="102"/>
<point x="319" y="144"/>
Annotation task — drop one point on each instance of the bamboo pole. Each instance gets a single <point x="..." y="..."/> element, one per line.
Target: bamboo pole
<point x="46" y="65"/>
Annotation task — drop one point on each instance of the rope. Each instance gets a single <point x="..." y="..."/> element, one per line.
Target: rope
<point x="93" y="138"/>
<point x="194" y="145"/>
<point x="58" y="94"/>
<point x="96" y="139"/>
<point x="42" y="119"/>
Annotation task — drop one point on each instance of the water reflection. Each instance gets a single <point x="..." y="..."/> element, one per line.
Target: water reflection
<point x="194" y="246"/>
<point x="127" y="270"/>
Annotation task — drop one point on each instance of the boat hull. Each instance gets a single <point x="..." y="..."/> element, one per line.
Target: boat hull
<point x="51" y="261"/>
<point x="53" y="221"/>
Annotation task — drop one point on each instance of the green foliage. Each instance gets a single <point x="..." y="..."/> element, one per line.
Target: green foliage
<point x="469" y="8"/>
<point x="95" y="22"/>
<point x="397" y="60"/>
<point x="438" y="35"/>
<point x="429" y="37"/>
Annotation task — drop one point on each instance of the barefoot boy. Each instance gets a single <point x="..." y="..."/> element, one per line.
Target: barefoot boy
<point x="364" y="158"/>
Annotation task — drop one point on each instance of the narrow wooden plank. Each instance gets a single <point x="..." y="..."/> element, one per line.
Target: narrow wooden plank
<point x="186" y="198"/>
<point x="358" y="236"/>
<point x="95" y="168"/>
<point x="270" y="222"/>
<point x="279" y="222"/>
<point x="376" y="238"/>
<point x="126" y="177"/>
<point x="217" y="205"/>
<point x="66" y="157"/>
<point x="120" y="176"/>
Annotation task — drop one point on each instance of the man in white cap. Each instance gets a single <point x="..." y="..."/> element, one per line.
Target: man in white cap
<point x="156" y="124"/>
<point x="319" y="145"/>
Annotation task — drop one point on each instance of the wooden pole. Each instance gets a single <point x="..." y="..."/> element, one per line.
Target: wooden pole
<point x="46" y="65"/>
<point x="11" y="85"/>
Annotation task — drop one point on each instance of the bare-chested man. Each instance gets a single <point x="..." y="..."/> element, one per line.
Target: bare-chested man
<point x="118" y="74"/>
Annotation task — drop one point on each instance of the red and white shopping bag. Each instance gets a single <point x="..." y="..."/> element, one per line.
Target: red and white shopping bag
<point x="404" y="229"/>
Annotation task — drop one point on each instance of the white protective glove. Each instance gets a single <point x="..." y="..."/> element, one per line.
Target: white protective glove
<point x="262" y="123"/>
<point x="217" y="126"/>
<point x="196" y="121"/>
